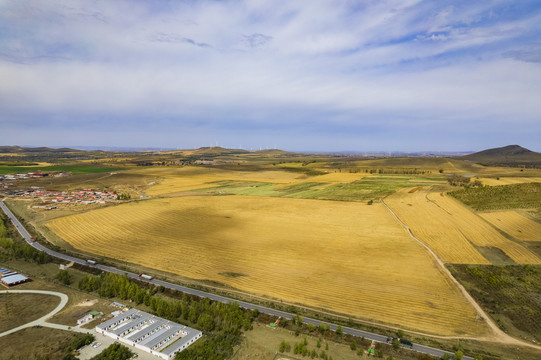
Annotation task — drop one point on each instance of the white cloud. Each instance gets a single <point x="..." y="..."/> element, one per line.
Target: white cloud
<point x="342" y="63"/>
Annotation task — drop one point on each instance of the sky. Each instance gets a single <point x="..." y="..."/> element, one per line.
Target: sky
<point x="318" y="75"/>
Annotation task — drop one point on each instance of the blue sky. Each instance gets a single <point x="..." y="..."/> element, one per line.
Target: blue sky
<point x="299" y="75"/>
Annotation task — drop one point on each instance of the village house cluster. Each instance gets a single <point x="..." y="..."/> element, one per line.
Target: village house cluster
<point x="86" y="196"/>
<point x="32" y="175"/>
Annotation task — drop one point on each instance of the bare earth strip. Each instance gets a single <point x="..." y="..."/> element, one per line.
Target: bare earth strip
<point x="345" y="257"/>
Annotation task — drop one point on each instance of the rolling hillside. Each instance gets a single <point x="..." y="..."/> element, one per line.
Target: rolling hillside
<point x="512" y="155"/>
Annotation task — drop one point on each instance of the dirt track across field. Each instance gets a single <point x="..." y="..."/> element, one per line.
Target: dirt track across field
<point x="499" y="335"/>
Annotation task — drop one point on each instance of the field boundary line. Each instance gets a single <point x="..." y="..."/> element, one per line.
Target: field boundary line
<point x="500" y="335"/>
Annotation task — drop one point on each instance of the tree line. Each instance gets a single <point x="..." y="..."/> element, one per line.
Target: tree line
<point x="404" y="171"/>
<point x="18" y="249"/>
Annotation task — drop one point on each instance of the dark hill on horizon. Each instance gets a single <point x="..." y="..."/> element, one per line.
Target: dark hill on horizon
<point x="20" y="149"/>
<point x="511" y="155"/>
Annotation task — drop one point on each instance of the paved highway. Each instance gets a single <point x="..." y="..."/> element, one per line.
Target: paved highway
<point x="360" y="333"/>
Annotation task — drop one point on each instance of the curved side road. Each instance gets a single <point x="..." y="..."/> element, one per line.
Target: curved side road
<point x="355" y="332"/>
<point x="42" y="320"/>
<point x="499" y="335"/>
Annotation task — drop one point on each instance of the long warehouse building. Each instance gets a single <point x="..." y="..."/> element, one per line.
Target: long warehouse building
<point x="149" y="333"/>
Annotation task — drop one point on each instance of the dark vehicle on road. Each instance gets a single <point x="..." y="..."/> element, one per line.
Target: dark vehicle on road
<point x="406" y="343"/>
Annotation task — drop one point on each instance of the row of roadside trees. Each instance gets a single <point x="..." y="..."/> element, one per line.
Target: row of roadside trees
<point x="222" y="323"/>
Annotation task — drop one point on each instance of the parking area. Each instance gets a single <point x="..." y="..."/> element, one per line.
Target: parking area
<point x="89" y="351"/>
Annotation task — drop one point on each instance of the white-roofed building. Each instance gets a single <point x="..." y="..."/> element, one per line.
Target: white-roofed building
<point x="149" y="333"/>
<point x="11" y="278"/>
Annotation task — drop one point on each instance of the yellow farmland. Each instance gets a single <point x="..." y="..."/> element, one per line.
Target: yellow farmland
<point x="432" y="224"/>
<point x="191" y="178"/>
<point x="174" y="180"/>
<point x="451" y="230"/>
<point x="515" y="224"/>
<point x="344" y="257"/>
<point x="508" y="180"/>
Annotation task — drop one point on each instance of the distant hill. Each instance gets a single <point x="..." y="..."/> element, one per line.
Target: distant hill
<point x="19" y="149"/>
<point x="217" y="150"/>
<point x="273" y="152"/>
<point x="512" y="155"/>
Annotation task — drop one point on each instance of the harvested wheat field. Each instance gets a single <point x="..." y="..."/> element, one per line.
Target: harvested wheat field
<point x="193" y="178"/>
<point x="430" y="224"/>
<point x="509" y="180"/>
<point x="514" y="224"/>
<point x="175" y="180"/>
<point x="451" y="230"/>
<point x="481" y="233"/>
<point x="344" y="257"/>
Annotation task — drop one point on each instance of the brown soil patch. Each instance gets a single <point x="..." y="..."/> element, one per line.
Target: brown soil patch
<point x="87" y="302"/>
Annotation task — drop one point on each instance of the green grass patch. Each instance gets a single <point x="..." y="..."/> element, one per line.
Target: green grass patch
<point x="368" y="188"/>
<point x="495" y="255"/>
<point x="516" y="196"/>
<point x="238" y="187"/>
<point x="74" y="169"/>
<point x="303" y="169"/>
<point x="372" y="187"/>
<point x="510" y="294"/>
<point x="37" y="343"/>
<point x="17" y="163"/>
<point x="19" y="309"/>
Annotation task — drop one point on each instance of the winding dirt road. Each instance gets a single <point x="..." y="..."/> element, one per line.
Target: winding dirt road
<point x="499" y="335"/>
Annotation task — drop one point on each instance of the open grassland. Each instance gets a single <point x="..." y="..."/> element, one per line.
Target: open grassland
<point x="451" y="230"/>
<point x="515" y="224"/>
<point x="516" y="196"/>
<point x="19" y="309"/>
<point x="36" y="344"/>
<point x="344" y="257"/>
<point x="509" y="293"/>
